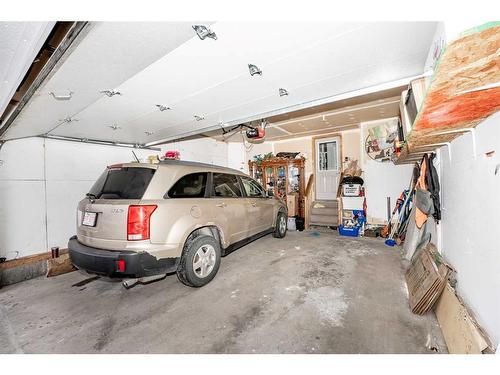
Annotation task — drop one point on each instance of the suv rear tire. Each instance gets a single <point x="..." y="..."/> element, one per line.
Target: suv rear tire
<point x="281" y="225"/>
<point x="200" y="261"/>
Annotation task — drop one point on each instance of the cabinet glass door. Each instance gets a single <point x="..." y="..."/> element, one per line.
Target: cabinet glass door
<point x="258" y="175"/>
<point x="281" y="181"/>
<point x="293" y="179"/>
<point x="270" y="183"/>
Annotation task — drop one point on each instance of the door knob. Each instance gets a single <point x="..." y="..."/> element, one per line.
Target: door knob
<point x="221" y="205"/>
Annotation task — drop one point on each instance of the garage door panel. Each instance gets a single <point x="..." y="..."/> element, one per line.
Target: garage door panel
<point x="22" y="211"/>
<point x="109" y="54"/>
<point x="167" y="64"/>
<point x="62" y="200"/>
<point x="14" y="155"/>
<point x="65" y="163"/>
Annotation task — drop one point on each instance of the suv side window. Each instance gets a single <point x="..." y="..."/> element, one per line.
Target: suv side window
<point x="189" y="186"/>
<point x="252" y="188"/>
<point x="226" y="186"/>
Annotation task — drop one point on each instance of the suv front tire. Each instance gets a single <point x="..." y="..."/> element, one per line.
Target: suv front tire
<point x="281" y="225"/>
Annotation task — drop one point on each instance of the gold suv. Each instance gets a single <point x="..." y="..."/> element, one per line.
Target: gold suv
<point x="143" y="221"/>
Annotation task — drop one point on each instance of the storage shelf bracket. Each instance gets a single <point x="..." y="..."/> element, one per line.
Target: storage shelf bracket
<point x="463" y="130"/>
<point x="435" y="145"/>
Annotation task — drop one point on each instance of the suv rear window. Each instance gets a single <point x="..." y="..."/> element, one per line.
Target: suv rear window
<point x="190" y="186"/>
<point x="122" y="183"/>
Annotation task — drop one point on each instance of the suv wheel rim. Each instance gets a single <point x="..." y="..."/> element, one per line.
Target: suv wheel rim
<point x="282" y="224"/>
<point x="204" y="261"/>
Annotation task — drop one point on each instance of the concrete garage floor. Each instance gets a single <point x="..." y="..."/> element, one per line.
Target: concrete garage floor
<point x="303" y="294"/>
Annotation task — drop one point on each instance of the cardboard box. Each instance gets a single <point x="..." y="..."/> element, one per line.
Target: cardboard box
<point x="352" y="203"/>
<point x="292" y="202"/>
<point x="411" y="102"/>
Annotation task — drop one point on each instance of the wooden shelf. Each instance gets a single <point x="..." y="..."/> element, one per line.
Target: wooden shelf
<point x="463" y="92"/>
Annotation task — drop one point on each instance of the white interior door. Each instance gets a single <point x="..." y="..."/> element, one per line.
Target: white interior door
<point x="327" y="167"/>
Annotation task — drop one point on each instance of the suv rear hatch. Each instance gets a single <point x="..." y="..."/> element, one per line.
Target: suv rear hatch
<point x="103" y="217"/>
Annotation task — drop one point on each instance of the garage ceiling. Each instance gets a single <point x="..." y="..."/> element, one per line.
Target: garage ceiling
<point x="335" y="120"/>
<point x="19" y="44"/>
<point x="327" y="118"/>
<point x="206" y="83"/>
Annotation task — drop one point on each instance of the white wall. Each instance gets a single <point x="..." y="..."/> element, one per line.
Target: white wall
<point x="302" y="145"/>
<point x="237" y="157"/>
<point x="382" y="180"/>
<point x="41" y="182"/>
<point x="205" y="150"/>
<point x="470" y="221"/>
<point x="258" y="148"/>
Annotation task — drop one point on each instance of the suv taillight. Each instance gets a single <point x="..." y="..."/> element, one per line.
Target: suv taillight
<point x="138" y="222"/>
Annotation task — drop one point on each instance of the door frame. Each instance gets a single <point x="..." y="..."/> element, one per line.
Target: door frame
<point x="341" y="153"/>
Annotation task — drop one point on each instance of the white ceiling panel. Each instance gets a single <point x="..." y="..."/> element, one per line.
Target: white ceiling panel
<point x="109" y="54"/>
<point x="200" y="65"/>
<point x="20" y="42"/>
<point x="166" y="63"/>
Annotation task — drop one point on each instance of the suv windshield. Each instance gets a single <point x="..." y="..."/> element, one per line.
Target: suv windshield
<point x="122" y="183"/>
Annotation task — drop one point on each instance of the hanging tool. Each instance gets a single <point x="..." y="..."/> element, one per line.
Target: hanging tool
<point x="398" y="214"/>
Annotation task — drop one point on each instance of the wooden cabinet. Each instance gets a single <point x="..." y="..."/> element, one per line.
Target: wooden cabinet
<point x="283" y="177"/>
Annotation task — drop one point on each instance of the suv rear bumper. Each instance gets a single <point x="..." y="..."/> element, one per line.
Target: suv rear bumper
<point x="104" y="262"/>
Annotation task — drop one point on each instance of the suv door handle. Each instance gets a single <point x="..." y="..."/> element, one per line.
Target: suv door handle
<point x="254" y="204"/>
<point x="221" y="205"/>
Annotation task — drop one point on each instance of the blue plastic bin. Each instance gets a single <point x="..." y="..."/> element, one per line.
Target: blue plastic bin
<point x="351" y="232"/>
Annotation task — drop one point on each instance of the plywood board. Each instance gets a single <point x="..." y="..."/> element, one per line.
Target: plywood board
<point x="59" y="266"/>
<point x="463" y="92"/>
<point x="460" y="332"/>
